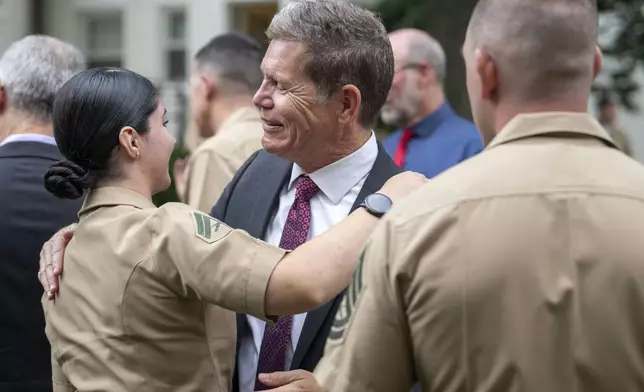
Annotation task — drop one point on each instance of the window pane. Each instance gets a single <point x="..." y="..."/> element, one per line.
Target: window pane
<point x="177" y="21"/>
<point x="104" y="32"/>
<point x="176" y="64"/>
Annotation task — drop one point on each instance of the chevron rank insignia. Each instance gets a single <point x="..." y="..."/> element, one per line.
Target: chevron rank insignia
<point x="209" y="229"/>
<point x="347" y="308"/>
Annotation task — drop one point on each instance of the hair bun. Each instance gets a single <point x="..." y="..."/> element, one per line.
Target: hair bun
<point x="67" y="180"/>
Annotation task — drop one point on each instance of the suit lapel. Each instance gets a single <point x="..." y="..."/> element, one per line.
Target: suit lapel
<point x="272" y="173"/>
<point x="383" y="169"/>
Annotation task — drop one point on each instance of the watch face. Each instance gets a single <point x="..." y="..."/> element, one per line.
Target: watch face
<point x="379" y="203"/>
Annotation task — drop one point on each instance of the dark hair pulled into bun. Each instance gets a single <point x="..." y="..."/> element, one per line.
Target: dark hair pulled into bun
<point x="68" y="180"/>
<point x="90" y="110"/>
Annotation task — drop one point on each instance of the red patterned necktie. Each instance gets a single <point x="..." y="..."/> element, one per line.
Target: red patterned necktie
<point x="401" y="149"/>
<point x="272" y="354"/>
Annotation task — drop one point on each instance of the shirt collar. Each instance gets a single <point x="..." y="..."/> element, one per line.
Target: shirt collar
<point x="240" y="115"/>
<point x="29" y="137"/>
<point x="550" y="123"/>
<point x="427" y="125"/>
<point x="337" y="179"/>
<point x="114" y="196"/>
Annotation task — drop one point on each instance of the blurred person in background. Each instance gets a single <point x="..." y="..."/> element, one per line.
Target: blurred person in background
<point x="31" y="72"/>
<point x="225" y="76"/>
<point x="608" y="116"/>
<point x="431" y="137"/>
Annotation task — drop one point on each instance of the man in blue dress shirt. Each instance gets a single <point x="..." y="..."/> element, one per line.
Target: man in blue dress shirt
<point x="431" y="136"/>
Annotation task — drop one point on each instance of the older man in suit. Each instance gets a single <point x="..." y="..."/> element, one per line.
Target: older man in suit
<point x="327" y="72"/>
<point x="31" y="72"/>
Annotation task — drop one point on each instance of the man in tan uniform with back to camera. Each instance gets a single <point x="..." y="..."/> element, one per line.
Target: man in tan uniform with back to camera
<point x="225" y="77"/>
<point x="522" y="269"/>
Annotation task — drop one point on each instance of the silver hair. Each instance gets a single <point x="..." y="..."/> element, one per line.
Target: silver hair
<point x="430" y="50"/>
<point x="33" y="69"/>
<point x="345" y="44"/>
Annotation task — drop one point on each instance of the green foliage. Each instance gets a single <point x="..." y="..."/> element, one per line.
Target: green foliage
<point x="627" y="47"/>
<point x="170" y="194"/>
<point x="396" y="14"/>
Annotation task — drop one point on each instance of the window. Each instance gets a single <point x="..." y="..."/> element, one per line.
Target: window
<point x="253" y="19"/>
<point x="104" y="40"/>
<point x="175" y="56"/>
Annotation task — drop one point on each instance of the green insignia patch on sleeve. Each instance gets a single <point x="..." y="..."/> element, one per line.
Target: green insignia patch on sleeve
<point x="208" y="228"/>
<point x="348" y="305"/>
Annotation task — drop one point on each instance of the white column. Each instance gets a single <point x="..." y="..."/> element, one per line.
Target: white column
<point x="206" y="19"/>
<point x="143" y="38"/>
<point x="15" y="21"/>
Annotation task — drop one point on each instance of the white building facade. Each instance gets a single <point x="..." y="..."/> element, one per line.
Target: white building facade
<point x="157" y="37"/>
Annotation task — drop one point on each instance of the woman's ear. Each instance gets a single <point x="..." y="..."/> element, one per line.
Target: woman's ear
<point x="130" y="142"/>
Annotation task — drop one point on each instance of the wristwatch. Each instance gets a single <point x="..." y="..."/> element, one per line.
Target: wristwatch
<point x="376" y="204"/>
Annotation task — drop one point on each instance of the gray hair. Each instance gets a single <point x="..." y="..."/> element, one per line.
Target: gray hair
<point x="345" y="44"/>
<point x="33" y="69"/>
<point x="235" y="59"/>
<point x="428" y="49"/>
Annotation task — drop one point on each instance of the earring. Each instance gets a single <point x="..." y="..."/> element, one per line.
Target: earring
<point x="137" y="154"/>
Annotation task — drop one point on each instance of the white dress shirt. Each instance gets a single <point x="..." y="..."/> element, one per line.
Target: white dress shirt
<point x="339" y="183"/>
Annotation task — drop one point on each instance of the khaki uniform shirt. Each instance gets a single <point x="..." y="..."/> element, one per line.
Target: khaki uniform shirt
<point x="214" y="163"/>
<point x="621" y="139"/>
<point x="136" y="306"/>
<point x="519" y="270"/>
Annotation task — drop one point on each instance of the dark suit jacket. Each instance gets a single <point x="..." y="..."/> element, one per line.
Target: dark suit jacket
<point x="29" y="216"/>
<point x="249" y="203"/>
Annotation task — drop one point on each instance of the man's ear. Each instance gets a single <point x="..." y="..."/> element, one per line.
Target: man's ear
<point x="350" y="100"/>
<point x="488" y="74"/>
<point x="209" y="85"/>
<point x="3" y="99"/>
<point x="598" y="61"/>
<point x="130" y="142"/>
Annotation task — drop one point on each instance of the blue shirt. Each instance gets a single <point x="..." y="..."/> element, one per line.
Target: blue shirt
<point x="439" y="141"/>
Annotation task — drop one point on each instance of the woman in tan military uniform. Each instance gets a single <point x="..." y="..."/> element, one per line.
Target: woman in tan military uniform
<point x="136" y="306"/>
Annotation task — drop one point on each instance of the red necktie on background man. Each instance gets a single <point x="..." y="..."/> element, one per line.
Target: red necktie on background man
<point x="401" y="149"/>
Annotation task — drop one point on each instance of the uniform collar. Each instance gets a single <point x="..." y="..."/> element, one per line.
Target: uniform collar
<point x="240" y="115"/>
<point x="427" y="125"/>
<point x="551" y="123"/>
<point x="114" y="196"/>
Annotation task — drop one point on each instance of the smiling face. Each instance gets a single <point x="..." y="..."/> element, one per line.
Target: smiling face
<point x="297" y="124"/>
